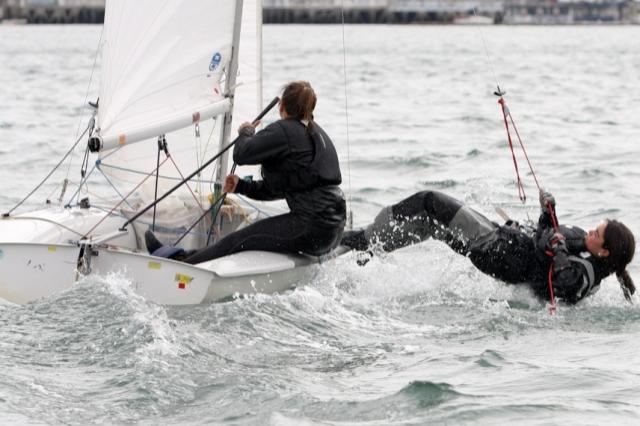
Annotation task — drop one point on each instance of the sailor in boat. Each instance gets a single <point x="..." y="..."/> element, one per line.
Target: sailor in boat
<point x="300" y="164"/>
<point x="566" y="261"/>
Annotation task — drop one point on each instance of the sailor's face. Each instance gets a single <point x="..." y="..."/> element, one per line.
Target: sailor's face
<point x="594" y="241"/>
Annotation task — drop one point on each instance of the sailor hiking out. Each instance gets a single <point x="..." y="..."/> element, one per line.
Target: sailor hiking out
<point x="572" y="260"/>
<point x="300" y="164"/>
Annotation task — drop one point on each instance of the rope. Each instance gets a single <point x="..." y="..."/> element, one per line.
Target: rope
<point x="195" y="197"/>
<point x="346" y="113"/>
<point x="253" y="206"/>
<point x="41" y="219"/>
<point x="161" y="228"/>
<point x="86" y="96"/>
<point x="193" y="225"/>
<point x="506" y="114"/>
<point x="486" y="51"/>
<point x="112" y="185"/>
<point x="124" y="199"/>
<point x="214" y="216"/>
<point x="554" y="220"/>
<point x="162" y="143"/>
<point x="51" y="172"/>
<point x="82" y="182"/>
<point x="138" y="172"/>
<point x="535" y="178"/>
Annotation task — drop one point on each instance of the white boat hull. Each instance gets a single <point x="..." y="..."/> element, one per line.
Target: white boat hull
<point x="32" y="271"/>
<point x="169" y="282"/>
<point x="40" y="251"/>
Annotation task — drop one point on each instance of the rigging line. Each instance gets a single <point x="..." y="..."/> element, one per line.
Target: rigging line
<point x="83" y="181"/>
<point x="197" y="221"/>
<point x="86" y="96"/>
<point x="42" y="219"/>
<point x="206" y="149"/>
<point x="161" y="145"/>
<point x="50" y="173"/>
<point x="486" y="51"/>
<point x="198" y="163"/>
<point x="247" y="202"/>
<point x="346" y="113"/>
<point x="123" y="200"/>
<point x="112" y="185"/>
<point x="55" y="189"/>
<point x="525" y="153"/>
<point x="186" y="182"/>
<point x="214" y="215"/>
<point x="160" y="228"/>
<point x="506" y="112"/>
<point x="138" y="172"/>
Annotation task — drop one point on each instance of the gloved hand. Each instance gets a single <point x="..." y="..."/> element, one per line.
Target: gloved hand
<point x="247" y="129"/>
<point x="546" y="198"/>
<point x="552" y="242"/>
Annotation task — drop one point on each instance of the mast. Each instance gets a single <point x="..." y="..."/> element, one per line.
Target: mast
<point x="230" y="88"/>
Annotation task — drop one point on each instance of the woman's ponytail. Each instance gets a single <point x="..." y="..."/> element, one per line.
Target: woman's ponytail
<point x="620" y="242"/>
<point x="626" y="284"/>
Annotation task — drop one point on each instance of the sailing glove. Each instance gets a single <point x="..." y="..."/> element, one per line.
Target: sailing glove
<point x="546" y="199"/>
<point x="247" y="131"/>
<point x="552" y="242"/>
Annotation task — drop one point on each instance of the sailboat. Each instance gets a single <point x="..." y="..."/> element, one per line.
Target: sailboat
<point x="169" y="69"/>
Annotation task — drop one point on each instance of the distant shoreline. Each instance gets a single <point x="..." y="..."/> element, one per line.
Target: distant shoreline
<point x="414" y="12"/>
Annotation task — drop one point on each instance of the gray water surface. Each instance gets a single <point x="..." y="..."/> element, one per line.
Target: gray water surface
<point x="415" y="337"/>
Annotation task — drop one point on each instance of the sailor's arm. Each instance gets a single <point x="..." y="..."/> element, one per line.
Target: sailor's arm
<point x="256" y="148"/>
<point x="257" y="190"/>
<point x="571" y="281"/>
<point x="545" y="221"/>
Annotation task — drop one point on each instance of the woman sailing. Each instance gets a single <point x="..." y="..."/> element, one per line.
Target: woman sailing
<point x="573" y="260"/>
<point x="300" y="164"/>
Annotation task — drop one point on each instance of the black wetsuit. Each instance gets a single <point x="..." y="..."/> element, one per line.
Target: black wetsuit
<point x="299" y="164"/>
<point x="510" y="252"/>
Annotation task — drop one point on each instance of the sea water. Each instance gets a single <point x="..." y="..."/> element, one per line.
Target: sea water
<point x="415" y="337"/>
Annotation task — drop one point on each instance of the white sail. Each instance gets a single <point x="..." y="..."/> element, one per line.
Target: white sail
<point x="162" y="62"/>
<point x="164" y="65"/>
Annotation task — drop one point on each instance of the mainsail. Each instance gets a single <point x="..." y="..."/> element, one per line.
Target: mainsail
<point x="162" y="63"/>
<point x="164" y="67"/>
<point x="186" y="149"/>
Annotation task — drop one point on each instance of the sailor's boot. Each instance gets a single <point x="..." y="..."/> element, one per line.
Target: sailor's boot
<point x="151" y="241"/>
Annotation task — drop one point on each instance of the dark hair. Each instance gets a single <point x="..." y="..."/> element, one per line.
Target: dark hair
<point x="619" y="240"/>
<point x="299" y="100"/>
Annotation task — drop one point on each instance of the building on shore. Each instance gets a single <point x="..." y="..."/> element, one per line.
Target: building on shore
<point x="570" y="12"/>
<point x="382" y="11"/>
<point x="368" y="11"/>
<point x="53" y="11"/>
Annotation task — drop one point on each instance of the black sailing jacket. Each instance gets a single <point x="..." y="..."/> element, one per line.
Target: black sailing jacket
<point x="511" y="253"/>
<point x="299" y="164"/>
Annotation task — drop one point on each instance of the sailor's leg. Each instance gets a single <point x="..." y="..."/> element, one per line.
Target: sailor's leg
<point x="287" y="233"/>
<point x="426" y="214"/>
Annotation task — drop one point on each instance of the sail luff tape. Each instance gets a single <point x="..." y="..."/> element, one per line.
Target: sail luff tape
<point x="122" y="139"/>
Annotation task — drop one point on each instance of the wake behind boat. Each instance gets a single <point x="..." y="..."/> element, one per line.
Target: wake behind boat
<point x="165" y="68"/>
